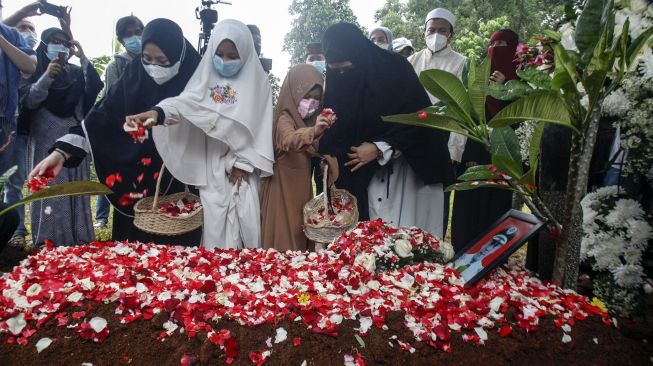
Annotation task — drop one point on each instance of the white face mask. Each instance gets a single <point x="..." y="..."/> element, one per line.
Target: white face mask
<point x="161" y="74"/>
<point x="436" y="42"/>
<point x="382" y="45"/>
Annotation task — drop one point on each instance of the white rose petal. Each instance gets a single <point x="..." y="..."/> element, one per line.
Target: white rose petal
<point x="98" y="324"/>
<point x="336" y="319"/>
<point x="596" y="340"/>
<point x="482" y="334"/>
<point x="349" y="360"/>
<point x="281" y="336"/>
<point x="373" y="285"/>
<point x="42" y="344"/>
<point x="303" y="363"/>
<point x="496" y="303"/>
<point x="170" y="327"/>
<point x="268" y="342"/>
<point x="47" y="210"/>
<point x="33" y="290"/>
<point x="75" y="297"/>
<point x="566" y="328"/>
<point x="566" y="338"/>
<point x="366" y="324"/>
<point x="367" y="261"/>
<point x="403" y="248"/>
<point x="16" y="324"/>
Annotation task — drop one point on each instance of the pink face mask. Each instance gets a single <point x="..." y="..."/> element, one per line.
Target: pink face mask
<point x="307" y="107"/>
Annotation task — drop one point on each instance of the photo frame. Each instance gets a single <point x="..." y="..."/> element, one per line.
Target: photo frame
<point x="493" y="247"/>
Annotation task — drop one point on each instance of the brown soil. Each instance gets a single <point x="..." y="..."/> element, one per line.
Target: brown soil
<point x="136" y="344"/>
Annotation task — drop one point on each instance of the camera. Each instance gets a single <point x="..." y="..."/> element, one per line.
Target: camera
<point x="208" y="17"/>
<point x="50" y="9"/>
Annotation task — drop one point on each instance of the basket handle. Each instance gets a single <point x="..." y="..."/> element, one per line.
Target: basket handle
<point x="158" y="185"/>
<point x="324" y="186"/>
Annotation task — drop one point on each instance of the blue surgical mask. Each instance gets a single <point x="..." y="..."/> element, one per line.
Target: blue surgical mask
<point x="133" y="44"/>
<point x="55" y="49"/>
<point x="319" y="65"/>
<point x="226" y="69"/>
<point x="29" y="38"/>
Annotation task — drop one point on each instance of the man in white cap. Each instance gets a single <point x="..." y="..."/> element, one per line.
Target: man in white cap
<point x="403" y="46"/>
<point x="438" y="34"/>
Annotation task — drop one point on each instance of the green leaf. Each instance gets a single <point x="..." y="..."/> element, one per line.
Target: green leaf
<point x="431" y="121"/>
<point x="539" y="78"/>
<point x="564" y="75"/>
<point x="544" y="106"/>
<point x="467" y="186"/>
<point x="534" y="150"/>
<point x="511" y="90"/>
<point x="636" y="45"/>
<point x="590" y="25"/>
<point x="5" y="177"/>
<point x="528" y="178"/>
<point x="478" y="174"/>
<point x="552" y="34"/>
<point x="479" y="77"/>
<point x="450" y="90"/>
<point x="78" y="188"/>
<point x="506" y="155"/>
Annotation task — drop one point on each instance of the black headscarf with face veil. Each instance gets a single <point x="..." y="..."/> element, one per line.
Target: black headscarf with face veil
<point x="381" y="83"/>
<point x="113" y="149"/>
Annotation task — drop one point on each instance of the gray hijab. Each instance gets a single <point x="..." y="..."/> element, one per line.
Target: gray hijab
<point x="388" y="35"/>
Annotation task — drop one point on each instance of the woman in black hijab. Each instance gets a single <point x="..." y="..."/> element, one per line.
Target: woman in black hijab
<point x="363" y="83"/>
<point x="166" y="64"/>
<point x="56" y="98"/>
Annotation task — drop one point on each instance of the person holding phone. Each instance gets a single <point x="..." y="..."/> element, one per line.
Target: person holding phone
<point x="57" y="97"/>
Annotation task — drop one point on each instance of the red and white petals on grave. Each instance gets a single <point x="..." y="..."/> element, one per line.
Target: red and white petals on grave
<point x="198" y="287"/>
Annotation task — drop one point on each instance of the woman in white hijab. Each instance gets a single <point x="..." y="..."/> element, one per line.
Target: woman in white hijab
<point x="217" y="136"/>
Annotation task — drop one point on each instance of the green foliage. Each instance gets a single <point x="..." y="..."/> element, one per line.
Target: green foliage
<point x="276" y="87"/>
<point x="506" y="154"/>
<point x="78" y="188"/>
<point x="100" y="63"/>
<point x="620" y="301"/>
<point x="474" y="44"/>
<point x="6" y="175"/>
<point x="311" y="19"/>
<point x="476" y="19"/>
<point x="462" y="111"/>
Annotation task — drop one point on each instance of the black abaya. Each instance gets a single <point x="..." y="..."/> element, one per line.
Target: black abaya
<point x="114" y="151"/>
<point x="381" y="83"/>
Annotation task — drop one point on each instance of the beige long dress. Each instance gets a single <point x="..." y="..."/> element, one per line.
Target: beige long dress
<point x="285" y="193"/>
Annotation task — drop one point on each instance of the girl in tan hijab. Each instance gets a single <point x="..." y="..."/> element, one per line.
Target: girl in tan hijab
<point x="298" y="126"/>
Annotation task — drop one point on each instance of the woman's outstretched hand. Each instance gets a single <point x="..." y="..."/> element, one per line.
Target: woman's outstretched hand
<point x="146" y="119"/>
<point x="53" y="163"/>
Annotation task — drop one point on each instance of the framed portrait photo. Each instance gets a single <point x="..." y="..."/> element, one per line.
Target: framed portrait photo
<point x="494" y="246"/>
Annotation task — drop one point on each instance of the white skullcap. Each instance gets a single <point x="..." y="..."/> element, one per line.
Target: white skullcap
<point x="442" y="14"/>
<point x="401" y="43"/>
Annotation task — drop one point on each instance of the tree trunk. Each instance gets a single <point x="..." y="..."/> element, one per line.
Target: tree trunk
<point x="567" y="258"/>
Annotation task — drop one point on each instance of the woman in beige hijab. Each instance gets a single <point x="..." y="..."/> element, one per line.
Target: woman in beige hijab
<point x="298" y="126"/>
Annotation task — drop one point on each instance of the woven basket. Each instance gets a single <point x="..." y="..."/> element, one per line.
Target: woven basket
<point x="148" y="218"/>
<point x="326" y="231"/>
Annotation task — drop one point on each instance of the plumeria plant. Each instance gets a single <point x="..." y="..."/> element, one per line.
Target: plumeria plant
<point x="590" y="63"/>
